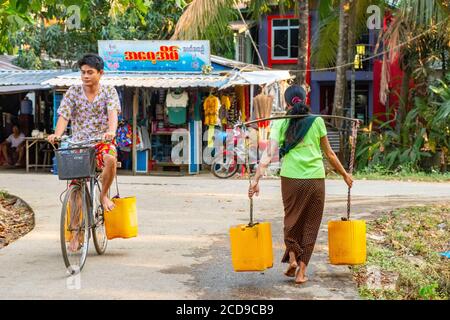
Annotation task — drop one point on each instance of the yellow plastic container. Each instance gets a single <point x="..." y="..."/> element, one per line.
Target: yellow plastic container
<point x="347" y="242"/>
<point x="121" y="222"/>
<point x="251" y="247"/>
<point x="68" y="234"/>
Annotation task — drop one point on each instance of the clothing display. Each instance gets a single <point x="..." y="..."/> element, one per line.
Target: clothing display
<point x="211" y="108"/>
<point x="174" y="100"/>
<point x="262" y="105"/>
<point x="124" y="136"/>
<point x="211" y="132"/>
<point x="240" y="95"/>
<point x="233" y="113"/>
<point x="145" y="138"/>
<point x="176" y="107"/>
<point x="223" y="112"/>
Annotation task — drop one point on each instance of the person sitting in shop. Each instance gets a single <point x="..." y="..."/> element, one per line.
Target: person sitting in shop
<point x="13" y="148"/>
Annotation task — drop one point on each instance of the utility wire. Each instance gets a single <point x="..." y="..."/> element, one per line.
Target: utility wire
<point x="362" y="60"/>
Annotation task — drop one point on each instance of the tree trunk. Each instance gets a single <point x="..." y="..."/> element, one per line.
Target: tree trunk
<point x="351" y="24"/>
<point x="342" y="58"/>
<point x="303" y="42"/>
<point x="402" y="108"/>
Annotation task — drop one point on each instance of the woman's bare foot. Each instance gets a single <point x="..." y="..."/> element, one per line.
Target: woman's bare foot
<point x="107" y="204"/>
<point x="291" y="270"/>
<point x="300" y="276"/>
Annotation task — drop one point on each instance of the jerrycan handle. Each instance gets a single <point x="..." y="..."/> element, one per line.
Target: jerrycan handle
<point x="355" y="126"/>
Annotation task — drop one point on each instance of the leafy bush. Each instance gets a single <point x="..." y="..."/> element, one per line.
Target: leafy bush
<point x="423" y="142"/>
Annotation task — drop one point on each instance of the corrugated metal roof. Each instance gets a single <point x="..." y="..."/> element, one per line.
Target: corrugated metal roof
<point x="8" y="66"/>
<point x="234" y="64"/>
<point x="147" y="79"/>
<point x="6" y="63"/>
<point x="28" y="77"/>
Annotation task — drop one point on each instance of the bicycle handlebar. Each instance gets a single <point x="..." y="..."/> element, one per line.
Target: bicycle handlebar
<point x="80" y="143"/>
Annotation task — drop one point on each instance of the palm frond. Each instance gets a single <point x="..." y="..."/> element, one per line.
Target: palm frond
<point x="200" y="14"/>
<point x="325" y="40"/>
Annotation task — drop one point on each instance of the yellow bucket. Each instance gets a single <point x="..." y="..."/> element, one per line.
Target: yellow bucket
<point x="251" y="247"/>
<point x="347" y="242"/>
<point x="121" y="222"/>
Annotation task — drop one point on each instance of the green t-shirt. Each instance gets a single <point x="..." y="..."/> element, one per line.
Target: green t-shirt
<point x="305" y="160"/>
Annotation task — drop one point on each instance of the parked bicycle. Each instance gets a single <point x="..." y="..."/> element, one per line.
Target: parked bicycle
<point x="228" y="161"/>
<point x="82" y="214"/>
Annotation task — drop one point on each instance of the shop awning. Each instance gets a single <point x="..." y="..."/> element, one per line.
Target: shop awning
<point x="147" y="80"/>
<point x="176" y="80"/>
<point x="265" y="77"/>
<point x="26" y="80"/>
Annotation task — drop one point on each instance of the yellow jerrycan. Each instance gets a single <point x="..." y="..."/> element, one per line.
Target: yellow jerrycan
<point x="121" y="222"/>
<point x="251" y="245"/>
<point x="347" y="238"/>
<point x="347" y="242"/>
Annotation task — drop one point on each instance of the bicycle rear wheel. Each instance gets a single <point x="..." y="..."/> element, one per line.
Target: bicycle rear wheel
<point x="74" y="229"/>
<point x="98" y="228"/>
<point x="224" y="166"/>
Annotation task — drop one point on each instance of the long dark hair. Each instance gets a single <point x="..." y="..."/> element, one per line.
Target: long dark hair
<point x="295" y="96"/>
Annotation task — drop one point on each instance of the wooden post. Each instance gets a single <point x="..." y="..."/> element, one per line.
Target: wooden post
<point x="252" y="93"/>
<point x="135" y="111"/>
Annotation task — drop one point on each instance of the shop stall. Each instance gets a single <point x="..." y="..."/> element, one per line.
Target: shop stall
<point x="26" y="102"/>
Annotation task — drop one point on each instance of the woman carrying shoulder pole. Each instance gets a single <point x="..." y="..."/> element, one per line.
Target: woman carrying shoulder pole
<point x="299" y="141"/>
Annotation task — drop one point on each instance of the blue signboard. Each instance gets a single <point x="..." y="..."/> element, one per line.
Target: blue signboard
<point x="158" y="56"/>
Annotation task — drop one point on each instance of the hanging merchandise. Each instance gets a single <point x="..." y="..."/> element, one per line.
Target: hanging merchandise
<point x="225" y="106"/>
<point x="240" y="94"/>
<point x="211" y="108"/>
<point x="124" y="136"/>
<point x="198" y="107"/>
<point x="176" y="103"/>
<point x="233" y="112"/>
<point x="247" y="102"/>
<point x="263" y="107"/>
<point x="140" y="144"/>
<point x="211" y="131"/>
<point x="225" y="101"/>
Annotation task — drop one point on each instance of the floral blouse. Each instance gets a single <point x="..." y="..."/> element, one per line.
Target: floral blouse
<point x="89" y="119"/>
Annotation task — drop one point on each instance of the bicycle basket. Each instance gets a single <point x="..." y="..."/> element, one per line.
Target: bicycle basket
<point x="75" y="163"/>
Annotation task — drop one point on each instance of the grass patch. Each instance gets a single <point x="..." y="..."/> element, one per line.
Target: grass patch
<point x="398" y="176"/>
<point x="4" y="194"/>
<point x="403" y="260"/>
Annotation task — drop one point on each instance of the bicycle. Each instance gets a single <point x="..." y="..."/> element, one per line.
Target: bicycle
<point x="227" y="163"/>
<point x="77" y="163"/>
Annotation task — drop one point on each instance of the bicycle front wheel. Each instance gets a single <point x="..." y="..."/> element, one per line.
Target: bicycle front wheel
<point x="98" y="229"/>
<point x="74" y="229"/>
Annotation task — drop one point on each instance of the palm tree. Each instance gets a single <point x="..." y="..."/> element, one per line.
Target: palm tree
<point x="342" y="58"/>
<point x="201" y="14"/>
<point x="303" y="41"/>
